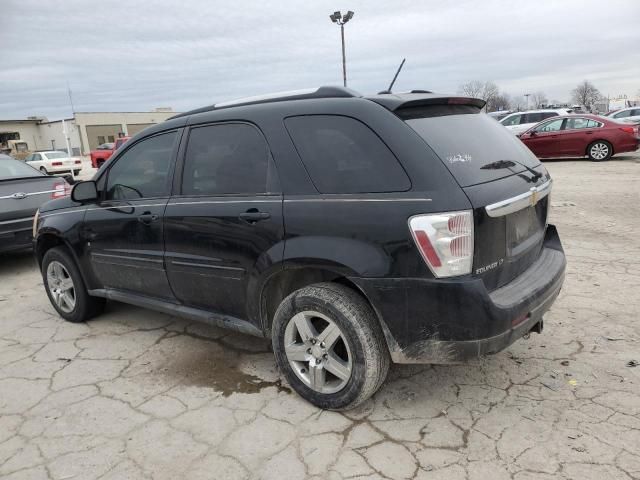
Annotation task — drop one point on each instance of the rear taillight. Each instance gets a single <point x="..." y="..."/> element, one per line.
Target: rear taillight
<point x="78" y="162"/>
<point x="445" y="241"/>
<point x="56" y="164"/>
<point x="61" y="189"/>
<point x="631" y="130"/>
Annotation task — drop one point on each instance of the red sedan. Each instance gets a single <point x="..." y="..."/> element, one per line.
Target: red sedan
<point x="579" y="136"/>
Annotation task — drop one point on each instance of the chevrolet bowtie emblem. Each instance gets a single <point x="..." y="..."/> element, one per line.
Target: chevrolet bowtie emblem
<point x="534" y="196"/>
<point x="19" y="195"/>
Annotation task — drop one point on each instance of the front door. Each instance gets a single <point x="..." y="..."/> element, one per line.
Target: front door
<point x="225" y="228"/>
<point x="544" y="140"/>
<point x="124" y="231"/>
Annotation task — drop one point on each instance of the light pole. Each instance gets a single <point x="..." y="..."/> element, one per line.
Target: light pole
<point x="337" y="17"/>
<point x="526" y="95"/>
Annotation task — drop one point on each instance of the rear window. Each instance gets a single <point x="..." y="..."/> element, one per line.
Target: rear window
<point x="473" y="146"/>
<point x="343" y="155"/>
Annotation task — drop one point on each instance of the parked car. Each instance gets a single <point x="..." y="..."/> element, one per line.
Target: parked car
<point x="5" y="157"/>
<point x="521" y="121"/>
<point x="590" y="136"/>
<point x="353" y="231"/>
<point x="54" y="162"/>
<point x="22" y="190"/>
<point x="104" y="151"/>
<point x="631" y="115"/>
<point x="499" y="115"/>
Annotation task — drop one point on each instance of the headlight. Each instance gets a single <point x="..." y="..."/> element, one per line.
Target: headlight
<point x="35" y="223"/>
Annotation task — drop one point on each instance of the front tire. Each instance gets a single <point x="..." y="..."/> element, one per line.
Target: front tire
<point x="329" y="346"/>
<point x="66" y="289"/>
<point x="599" y="151"/>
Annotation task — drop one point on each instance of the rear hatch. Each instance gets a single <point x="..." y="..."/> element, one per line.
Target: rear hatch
<point x="507" y="186"/>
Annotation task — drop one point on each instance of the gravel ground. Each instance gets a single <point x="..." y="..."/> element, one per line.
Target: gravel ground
<point x="137" y="394"/>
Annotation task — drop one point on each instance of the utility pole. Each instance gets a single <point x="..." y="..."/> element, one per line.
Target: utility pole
<point x="338" y="18"/>
<point x="526" y="95"/>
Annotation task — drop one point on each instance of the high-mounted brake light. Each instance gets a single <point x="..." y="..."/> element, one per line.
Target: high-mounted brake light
<point x="60" y="190"/>
<point x="445" y="241"/>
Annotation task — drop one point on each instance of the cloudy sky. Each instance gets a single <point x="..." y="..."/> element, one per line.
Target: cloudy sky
<point x="138" y="55"/>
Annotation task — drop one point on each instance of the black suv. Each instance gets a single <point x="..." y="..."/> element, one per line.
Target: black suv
<point x="351" y="230"/>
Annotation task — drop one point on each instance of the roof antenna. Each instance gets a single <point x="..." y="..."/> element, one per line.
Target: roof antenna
<point x="388" y="90"/>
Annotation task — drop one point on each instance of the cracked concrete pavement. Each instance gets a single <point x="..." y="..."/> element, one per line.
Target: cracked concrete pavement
<point x="138" y="394"/>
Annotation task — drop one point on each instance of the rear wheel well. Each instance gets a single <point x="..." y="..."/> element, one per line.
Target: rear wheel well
<point x="288" y="281"/>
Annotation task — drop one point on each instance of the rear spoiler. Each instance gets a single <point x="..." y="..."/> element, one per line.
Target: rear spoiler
<point x="403" y="101"/>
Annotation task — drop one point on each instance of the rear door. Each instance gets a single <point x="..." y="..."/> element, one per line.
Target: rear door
<point x="124" y="231"/>
<point x="578" y="133"/>
<point x="225" y="227"/>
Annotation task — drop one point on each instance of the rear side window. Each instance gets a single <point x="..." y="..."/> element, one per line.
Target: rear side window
<point x="623" y="114"/>
<point x="474" y="148"/>
<point x="343" y="155"/>
<point x="226" y="159"/>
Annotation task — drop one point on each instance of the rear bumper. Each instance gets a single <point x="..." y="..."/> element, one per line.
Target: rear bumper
<point x="450" y="321"/>
<point x="16" y="234"/>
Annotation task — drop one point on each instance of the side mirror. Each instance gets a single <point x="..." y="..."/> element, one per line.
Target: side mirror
<point x="533" y="133"/>
<point x="85" y="192"/>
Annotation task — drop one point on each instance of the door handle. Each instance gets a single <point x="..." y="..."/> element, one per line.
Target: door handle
<point x="147" y="218"/>
<point x="253" y="215"/>
<point x="589" y="133"/>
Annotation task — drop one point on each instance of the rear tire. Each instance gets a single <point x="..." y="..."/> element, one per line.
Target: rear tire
<point x="44" y="170"/>
<point x="347" y="369"/>
<point x="599" y="151"/>
<point x="66" y="289"/>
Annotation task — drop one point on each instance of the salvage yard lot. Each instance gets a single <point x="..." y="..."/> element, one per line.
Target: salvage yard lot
<point x="138" y="394"/>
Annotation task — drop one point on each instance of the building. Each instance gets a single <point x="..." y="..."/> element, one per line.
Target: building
<point x="85" y="131"/>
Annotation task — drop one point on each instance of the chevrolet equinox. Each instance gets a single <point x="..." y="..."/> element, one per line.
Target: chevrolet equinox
<point x="353" y="231"/>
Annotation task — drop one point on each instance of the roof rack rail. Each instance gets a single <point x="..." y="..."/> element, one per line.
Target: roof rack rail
<point x="321" y="92"/>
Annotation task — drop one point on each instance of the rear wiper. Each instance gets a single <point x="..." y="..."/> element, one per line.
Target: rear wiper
<point x="511" y="163"/>
<point x="497" y="165"/>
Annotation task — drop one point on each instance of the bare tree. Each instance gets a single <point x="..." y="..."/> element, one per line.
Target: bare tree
<point x="502" y="101"/>
<point x="472" y="89"/>
<point x="539" y="98"/>
<point x="585" y="94"/>
<point x="487" y="91"/>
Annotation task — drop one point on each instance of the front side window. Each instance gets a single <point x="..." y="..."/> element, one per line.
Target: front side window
<point x="226" y="159"/>
<point x="143" y="170"/>
<point x="343" y="155"/>
<point x="512" y="120"/>
<point x="553" y="126"/>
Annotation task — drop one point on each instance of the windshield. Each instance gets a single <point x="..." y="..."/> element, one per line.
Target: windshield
<point x="14" y="169"/>
<point x="468" y="142"/>
<point x="52" y="155"/>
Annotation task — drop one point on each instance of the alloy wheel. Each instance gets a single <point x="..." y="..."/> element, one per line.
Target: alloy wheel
<point x="318" y="352"/>
<point x="61" y="286"/>
<point x="599" y="151"/>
